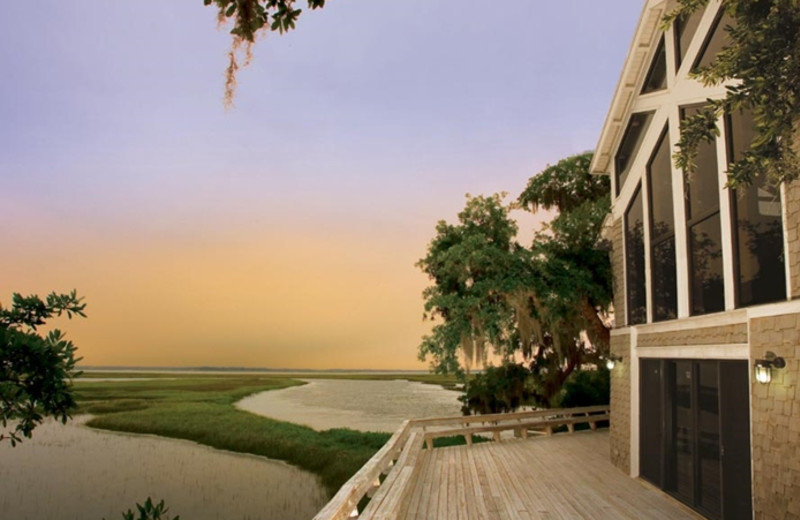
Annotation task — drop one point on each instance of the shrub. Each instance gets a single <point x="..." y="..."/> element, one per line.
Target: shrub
<point x="587" y="388"/>
<point x="496" y="390"/>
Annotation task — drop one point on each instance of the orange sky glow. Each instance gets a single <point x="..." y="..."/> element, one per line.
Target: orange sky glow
<point x="282" y="233"/>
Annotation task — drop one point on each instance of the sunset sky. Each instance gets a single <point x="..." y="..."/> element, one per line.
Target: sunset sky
<point x="282" y="233"/>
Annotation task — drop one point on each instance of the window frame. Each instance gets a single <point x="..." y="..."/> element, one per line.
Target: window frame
<point x="656" y="240"/>
<point x="694" y="219"/>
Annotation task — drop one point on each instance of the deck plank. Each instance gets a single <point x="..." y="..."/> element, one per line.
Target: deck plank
<point x="558" y="477"/>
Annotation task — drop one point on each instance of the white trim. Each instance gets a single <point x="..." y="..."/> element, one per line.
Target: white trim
<point x="735" y="351"/>
<point x="773" y="309"/>
<point x="648" y="260"/>
<point x="679" y="215"/>
<point x="669" y="50"/>
<point x="750" y="380"/>
<point x="695" y="322"/>
<point x="725" y="218"/>
<point x="733" y="317"/>
<point x="785" y="230"/>
<point x="633" y="368"/>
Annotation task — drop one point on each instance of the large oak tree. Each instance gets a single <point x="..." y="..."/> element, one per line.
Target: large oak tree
<point x="491" y="294"/>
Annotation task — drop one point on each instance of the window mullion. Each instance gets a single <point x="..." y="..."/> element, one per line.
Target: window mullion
<point x="726" y="222"/>
<point x="647" y="246"/>
<point x="679" y="211"/>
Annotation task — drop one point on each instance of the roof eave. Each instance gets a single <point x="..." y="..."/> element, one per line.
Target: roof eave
<point x="644" y="39"/>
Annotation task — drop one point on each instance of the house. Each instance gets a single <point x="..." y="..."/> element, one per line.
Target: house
<point x="707" y="288"/>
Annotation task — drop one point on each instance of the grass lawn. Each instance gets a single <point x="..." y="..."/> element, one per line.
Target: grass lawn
<point x="200" y="408"/>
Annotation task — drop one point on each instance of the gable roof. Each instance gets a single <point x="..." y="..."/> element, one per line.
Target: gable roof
<point x="644" y="41"/>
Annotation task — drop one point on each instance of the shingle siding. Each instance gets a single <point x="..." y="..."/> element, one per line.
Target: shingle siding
<point x="621" y="404"/>
<point x="776" y="420"/>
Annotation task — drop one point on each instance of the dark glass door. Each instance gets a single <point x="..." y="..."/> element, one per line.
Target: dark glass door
<point x="695" y="433"/>
<point x="651" y="412"/>
<point x="708" y="472"/>
<point x="734" y="393"/>
<point x="681" y="444"/>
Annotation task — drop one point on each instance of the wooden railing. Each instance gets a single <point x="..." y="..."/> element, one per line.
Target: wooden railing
<point x="387" y="476"/>
<point x="521" y="423"/>
<point x="344" y="503"/>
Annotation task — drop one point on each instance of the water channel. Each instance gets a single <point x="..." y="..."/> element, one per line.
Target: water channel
<point x="359" y="405"/>
<point x="71" y="472"/>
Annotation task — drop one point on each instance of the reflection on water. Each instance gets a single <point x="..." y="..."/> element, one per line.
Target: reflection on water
<point x="359" y="405"/>
<point x="72" y="472"/>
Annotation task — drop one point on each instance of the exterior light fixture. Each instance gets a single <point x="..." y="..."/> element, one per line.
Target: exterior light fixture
<point x="612" y="360"/>
<point x="763" y="367"/>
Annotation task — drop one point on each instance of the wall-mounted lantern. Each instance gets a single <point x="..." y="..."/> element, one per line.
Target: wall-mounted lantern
<point x="612" y="360"/>
<point x="763" y="367"/>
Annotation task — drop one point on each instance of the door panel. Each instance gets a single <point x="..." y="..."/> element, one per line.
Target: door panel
<point x="735" y="439"/>
<point x="708" y="472"/>
<point x="651" y="412"/>
<point x="695" y="433"/>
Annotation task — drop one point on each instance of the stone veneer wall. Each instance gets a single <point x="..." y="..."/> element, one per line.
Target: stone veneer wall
<point x="720" y="335"/>
<point x="620" y="442"/>
<point x="776" y="420"/>
<point x="618" y="272"/>
<point x="793" y="235"/>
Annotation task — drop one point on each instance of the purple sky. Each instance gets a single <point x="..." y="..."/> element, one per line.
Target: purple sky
<point x="282" y="232"/>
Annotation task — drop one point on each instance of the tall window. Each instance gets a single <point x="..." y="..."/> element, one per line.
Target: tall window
<point x="662" y="232"/>
<point x="634" y="260"/>
<point x="703" y="230"/>
<point x="637" y="127"/>
<point x="758" y="227"/>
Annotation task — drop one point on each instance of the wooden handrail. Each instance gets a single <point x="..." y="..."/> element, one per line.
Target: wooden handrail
<point x="502" y="417"/>
<point x="568" y="417"/>
<point x="346" y="500"/>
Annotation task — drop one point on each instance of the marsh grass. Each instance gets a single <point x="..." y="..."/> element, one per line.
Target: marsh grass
<point x="447" y="381"/>
<point x="200" y="409"/>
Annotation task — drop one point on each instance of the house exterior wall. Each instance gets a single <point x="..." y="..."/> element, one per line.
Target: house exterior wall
<point x="737" y="329"/>
<point x="775" y="418"/>
<point x="718" y="335"/>
<point x="620" y="433"/>
<point x="618" y="271"/>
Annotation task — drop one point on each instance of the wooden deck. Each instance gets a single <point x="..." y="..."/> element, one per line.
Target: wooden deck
<point x="528" y="472"/>
<point x="562" y="476"/>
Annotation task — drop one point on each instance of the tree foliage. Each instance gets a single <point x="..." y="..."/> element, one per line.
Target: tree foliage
<point x="497" y="390"/>
<point x="471" y="264"/>
<point x="761" y="63"/>
<point x="149" y="511"/>
<point x="36" y="370"/>
<point x="587" y="388"/>
<point x="491" y="294"/>
<point x="571" y="257"/>
<point x="250" y="18"/>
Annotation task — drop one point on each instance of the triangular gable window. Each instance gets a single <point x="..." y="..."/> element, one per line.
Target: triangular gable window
<point x="657" y="75"/>
<point x="685" y="29"/>
<point x="634" y="133"/>
<point x="717" y="40"/>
